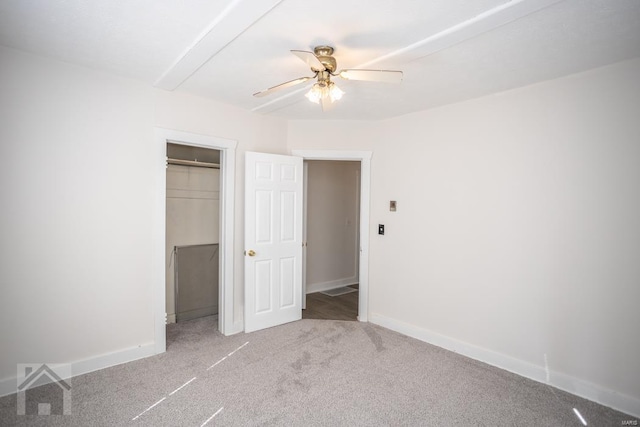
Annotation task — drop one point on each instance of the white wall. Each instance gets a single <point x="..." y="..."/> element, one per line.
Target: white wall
<point x="78" y="193"/>
<point x="517" y="235"/>
<point x="193" y="217"/>
<point x="332" y="224"/>
<point x="76" y="202"/>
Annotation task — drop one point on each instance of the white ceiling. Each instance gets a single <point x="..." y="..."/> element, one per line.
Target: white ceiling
<point x="449" y="50"/>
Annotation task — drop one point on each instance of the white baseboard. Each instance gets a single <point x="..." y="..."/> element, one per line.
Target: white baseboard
<point x="171" y="318"/>
<point x="576" y="386"/>
<point x="9" y="385"/>
<point x="325" y="286"/>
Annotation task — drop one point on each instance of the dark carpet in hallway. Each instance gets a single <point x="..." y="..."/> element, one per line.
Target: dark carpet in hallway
<point x="341" y="307"/>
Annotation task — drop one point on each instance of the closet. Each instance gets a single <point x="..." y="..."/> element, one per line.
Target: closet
<point x="192" y="232"/>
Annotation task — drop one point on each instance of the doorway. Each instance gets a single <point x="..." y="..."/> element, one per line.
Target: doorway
<point x="332" y="240"/>
<point x="192" y="232"/>
<point x="227" y="148"/>
<point x="266" y="176"/>
<point x="364" y="157"/>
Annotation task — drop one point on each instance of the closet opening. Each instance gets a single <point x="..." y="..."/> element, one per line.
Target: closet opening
<point x="192" y="233"/>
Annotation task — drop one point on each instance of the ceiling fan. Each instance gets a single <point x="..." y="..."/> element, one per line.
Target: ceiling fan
<point x="324" y="66"/>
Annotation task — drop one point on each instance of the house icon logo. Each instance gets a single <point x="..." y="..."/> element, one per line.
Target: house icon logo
<point x="53" y="398"/>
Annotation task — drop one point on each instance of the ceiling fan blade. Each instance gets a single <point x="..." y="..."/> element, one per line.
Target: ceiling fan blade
<point x="310" y="59"/>
<point x="281" y="86"/>
<point x="326" y="103"/>
<point x="386" y="76"/>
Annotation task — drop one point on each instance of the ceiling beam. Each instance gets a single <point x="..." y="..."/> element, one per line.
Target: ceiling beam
<point x="479" y="24"/>
<point x="235" y="19"/>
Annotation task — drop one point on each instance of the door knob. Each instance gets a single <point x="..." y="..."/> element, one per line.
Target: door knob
<point x="251" y="252"/>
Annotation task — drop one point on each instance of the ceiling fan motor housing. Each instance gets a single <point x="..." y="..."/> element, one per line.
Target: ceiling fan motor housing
<point x="324" y="78"/>
<point x="323" y="53"/>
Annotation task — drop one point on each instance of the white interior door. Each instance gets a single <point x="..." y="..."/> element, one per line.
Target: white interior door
<point x="273" y="240"/>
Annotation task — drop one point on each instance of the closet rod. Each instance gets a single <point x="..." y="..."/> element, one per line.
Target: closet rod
<point x="193" y="163"/>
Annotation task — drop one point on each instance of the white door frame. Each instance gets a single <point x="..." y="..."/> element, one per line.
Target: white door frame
<point x="365" y="194"/>
<point x="227" y="149"/>
<point x="305" y="199"/>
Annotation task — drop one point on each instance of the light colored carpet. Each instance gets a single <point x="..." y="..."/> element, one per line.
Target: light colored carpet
<point x="338" y="291"/>
<point x="310" y="373"/>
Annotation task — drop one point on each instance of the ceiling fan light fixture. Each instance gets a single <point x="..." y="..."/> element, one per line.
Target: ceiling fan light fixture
<point x="335" y="93"/>
<point x="322" y="90"/>
<point x="315" y="94"/>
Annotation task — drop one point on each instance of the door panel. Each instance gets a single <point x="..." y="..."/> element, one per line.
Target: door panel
<point x="287" y="282"/>
<point x="273" y="240"/>
<point x="262" y="286"/>
<point x="264" y="221"/>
